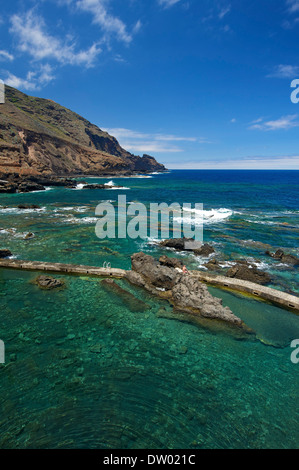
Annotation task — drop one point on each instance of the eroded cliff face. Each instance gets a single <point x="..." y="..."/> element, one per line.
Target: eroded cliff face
<point x="39" y="136"/>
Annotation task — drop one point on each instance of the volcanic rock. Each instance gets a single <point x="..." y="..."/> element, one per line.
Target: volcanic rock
<point x="5" y="253"/>
<point x="47" y="282"/>
<point x="284" y="258"/>
<point x="184" y="292"/>
<point x="248" y="273"/>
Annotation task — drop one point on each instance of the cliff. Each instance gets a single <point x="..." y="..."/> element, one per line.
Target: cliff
<point x="40" y="137"/>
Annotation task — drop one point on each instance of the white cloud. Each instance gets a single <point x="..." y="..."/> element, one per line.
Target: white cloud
<point x="30" y="31"/>
<point x="151" y="147"/>
<point x="285" y="122"/>
<point x="293" y="6"/>
<point x="224" y="11"/>
<point x="248" y="163"/>
<point x="110" y="24"/>
<point x="4" y="55"/>
<point x="167" y="3"/>
<point x="144" y="142"/>
<point x="285" y="71"/>
<point x="34" y="79"/>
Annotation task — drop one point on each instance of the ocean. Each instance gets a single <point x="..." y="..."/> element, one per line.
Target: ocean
<point x="84" y="369"/>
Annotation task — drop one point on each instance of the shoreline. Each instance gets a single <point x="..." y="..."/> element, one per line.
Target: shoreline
<point x="14" y="183"/>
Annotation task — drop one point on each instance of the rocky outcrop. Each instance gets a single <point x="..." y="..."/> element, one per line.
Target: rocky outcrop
<point x="5" y="254"/>
<point x="188" y="244"/>
<point x="170" y="262"/>
<point x="279" y="255"/>
<point x="28" y="206"/>
<point x="249" y="273"/>
<point x="190" y="295"/>
<point x="205" y="250"/>
<point x="213" y="265"/>
<point x="183" y="291"/>
<point x="38" y="136"/>
<point x="15" y="183"/>
<point x="48" y="282"/>
<point x="153" y="272"/>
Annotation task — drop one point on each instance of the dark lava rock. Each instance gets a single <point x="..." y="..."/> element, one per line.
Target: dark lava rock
<point x="47" y="282"/>
<point x="284" y="258"/>
<point x="176" y="243"/>
<point x="248" y="273"/>
<point x="188" y="244"/>
<point x="26" y="187"/>
<point x="153" y="272"/>
<point x="5" y="253"/>
<point x="186" y="293"/>
<point x="170" y="262"/>
<point x="191" y="295"/>
<point x="135" y="278"/>
<point x="28" y="206"/>
<point x="94" y="186"/>
<point x="213" y="265"/>
<point x="205" y="250"/>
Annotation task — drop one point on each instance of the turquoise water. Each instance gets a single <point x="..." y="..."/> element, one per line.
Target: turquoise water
<point x="85" y="369"/>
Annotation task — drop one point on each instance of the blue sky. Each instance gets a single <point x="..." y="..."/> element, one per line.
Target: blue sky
<point x="197" y="84"/>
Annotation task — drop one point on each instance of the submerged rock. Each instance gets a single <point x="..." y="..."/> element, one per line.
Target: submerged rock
<point x="284" y="258"/>
<point x="47" y="282"/>
<point x="134" y="304"/>
<point x="248" y="273"/>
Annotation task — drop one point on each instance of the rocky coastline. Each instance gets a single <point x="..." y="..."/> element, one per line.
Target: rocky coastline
<point x="15" y="183"/>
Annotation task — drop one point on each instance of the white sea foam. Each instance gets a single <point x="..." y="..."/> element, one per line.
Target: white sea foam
<point x="205" y="216"/>
<point x="72" y="208"/>
<point x="17" y="210"/>
<point x="142" y="176"/>
<point x="79" y="186"/>
<point x="79" y="220"/>
<point x="111" y="184"/>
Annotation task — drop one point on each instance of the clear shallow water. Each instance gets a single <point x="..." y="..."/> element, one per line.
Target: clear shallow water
<point x="91" y="372"/>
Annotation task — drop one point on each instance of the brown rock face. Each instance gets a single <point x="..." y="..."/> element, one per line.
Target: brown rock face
<point x="39" y="136"/>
